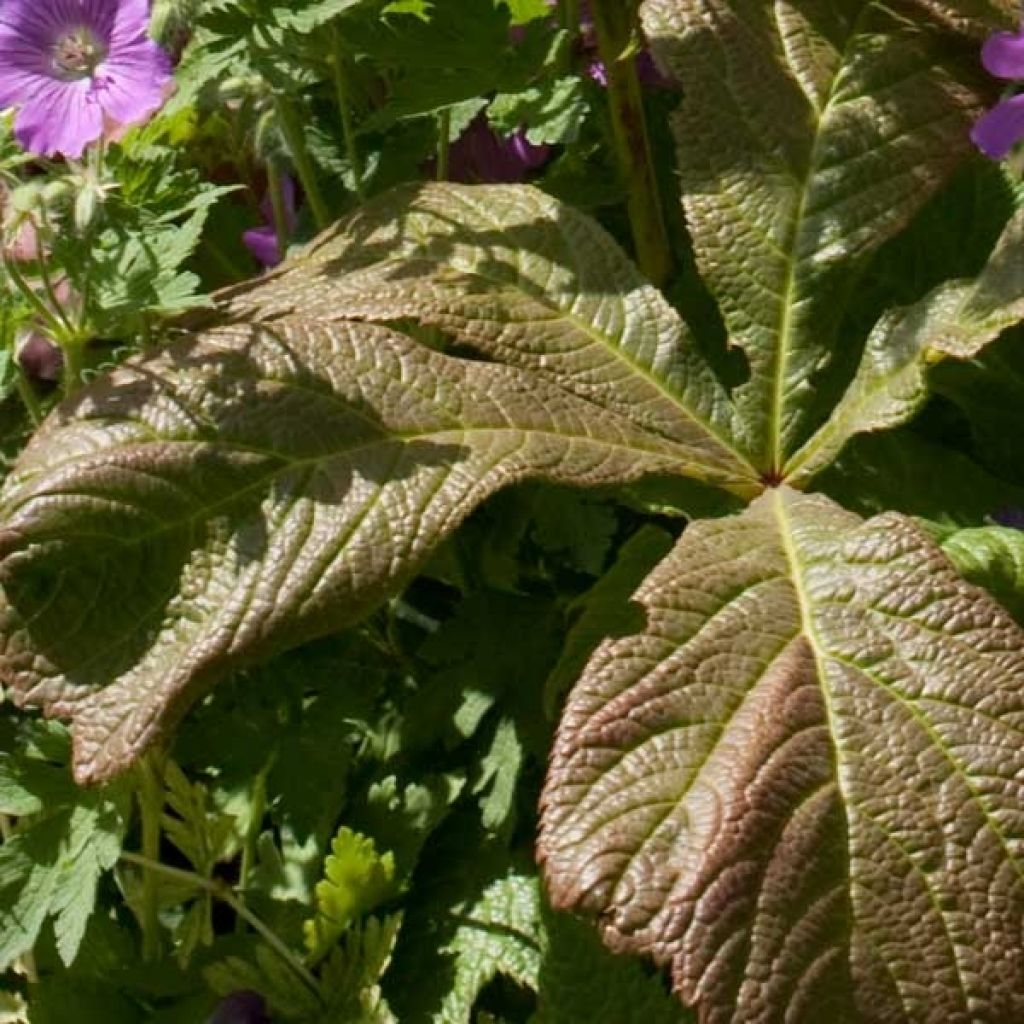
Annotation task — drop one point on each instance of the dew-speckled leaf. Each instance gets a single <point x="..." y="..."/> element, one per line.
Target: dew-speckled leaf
<point x="531" y="282"/>
<point x="251" y="489"/>
<point x="802" y="785"/>
<point x="810" y="132"/>
<point x="956" y="321"/>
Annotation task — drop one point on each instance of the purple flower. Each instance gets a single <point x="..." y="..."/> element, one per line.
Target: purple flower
<point x="263" y="242"/>
<point x="481" y="155"/>
<point x="77" y="68"/>
<point x="242" y="1007"/>
<point x="1009" y="516"/>
<point x="998" y="131"/>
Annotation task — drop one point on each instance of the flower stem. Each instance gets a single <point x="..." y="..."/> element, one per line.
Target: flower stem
<point x="223" y="892"/>
<point x="72" y="350"/>
<point x="615" y="34"/>
<point x="29" y="398"/>
<point x="151" y="805"/>
<point x="341" y="94"/>
<point x="444" y="145"/>
<point x="29" y="294"/>
<point x="291" y="128"/>
<point x="275" y="188"/>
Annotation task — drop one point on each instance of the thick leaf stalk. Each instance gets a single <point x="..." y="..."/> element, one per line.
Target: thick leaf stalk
<point x="615" y="24"/>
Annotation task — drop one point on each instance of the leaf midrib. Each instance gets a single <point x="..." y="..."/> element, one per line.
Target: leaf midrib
<point x="788" y="303"/>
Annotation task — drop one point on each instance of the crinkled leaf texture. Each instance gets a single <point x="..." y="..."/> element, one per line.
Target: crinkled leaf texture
<point x="810" y="132"/>
<point x="251" y="489"/>
<point x="800" y="785"/>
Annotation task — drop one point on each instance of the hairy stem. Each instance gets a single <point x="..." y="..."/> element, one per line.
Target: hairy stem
<point x="615" y="35"/>
<point x="28" y="396"/>
<point x="223" y="892"/>
<point x="291" y="128"/>
<point x="151" y="805"/>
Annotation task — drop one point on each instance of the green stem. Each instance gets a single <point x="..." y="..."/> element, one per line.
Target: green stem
<point x="275" y="187"/>
<point x="73" y="351"/>
<point x="223" y="892"/>
<point x="29" y="293"/>
<point x="341" y="93"/>
<point x="632" y="144"/>
<point x="151" y="805"/>
<point x="291" y="128"/>
<point x="29" y="398"/>
<point x="444" y="146"/>
<point x="258" y="804"/>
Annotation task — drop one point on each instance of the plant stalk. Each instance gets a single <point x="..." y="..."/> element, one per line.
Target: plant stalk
<point x="444" y="145"/>
<point x="291" y="128"/>
<point x="151" y="805"/>
<point x="223" y="892"/>
<point x="275" y="188"/>
<point x="341" y="93"/>
<point x="615" y="26"/>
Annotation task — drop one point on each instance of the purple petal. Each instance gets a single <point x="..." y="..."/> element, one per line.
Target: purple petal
<point x="131" y="20"/>
<point x="62" y="117"/>
<point x="262" y="243"/>
<point x="1003" y="55"/>
<point x="40" y="358"/>
<point x="996" y="133"/>
<point x="130" y="85"/>
<point x="291" y="218"/>
<point x="243" y="1007"/>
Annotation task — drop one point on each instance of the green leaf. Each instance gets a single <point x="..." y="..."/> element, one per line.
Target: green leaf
<point x="527" y="280"/>
<point x="242" y="492"/>
<point x="581" y="980"/>
<point x="356" y="880"/>
<point x="551" y="113"/>
<point x="350" y="978"/>
<point x="51" y="867"/>
<point x="991" y="557"/>
<point x="903" y="471"/>
<point x="800" y="786"/>
<point x="809" y="133"/>
<point x="956" y="321"/>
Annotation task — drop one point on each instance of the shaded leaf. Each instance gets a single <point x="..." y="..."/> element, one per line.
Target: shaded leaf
<point x="800" y="786"/>
<point x="247" y="491"/>
<point x="991" y="557"/>
<point x="809" y="133"/>
<point x="956" y="321"/>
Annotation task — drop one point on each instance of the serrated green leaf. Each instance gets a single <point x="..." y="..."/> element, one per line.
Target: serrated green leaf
<point x="350" y="978"/>
<point x="991" y="557"/>
<point x="581" y="980"/>
<point x="356" y="880"/>
<point x="267" y="974"/>
<point x="525" y="279"/>
<point x="800" y="785"/>
<point x="809" y="132"/>
<point x="240" y="493"/>
<point x="957" y="321"/>
<point x="550" y="113"/>
<point x="51" y="868"/>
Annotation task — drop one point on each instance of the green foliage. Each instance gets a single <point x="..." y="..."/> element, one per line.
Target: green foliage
<point x="316" y="544"/>
<point x="356" y="879"/>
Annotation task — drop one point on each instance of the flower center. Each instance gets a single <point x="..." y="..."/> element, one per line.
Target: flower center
<point x="77" y="53"/>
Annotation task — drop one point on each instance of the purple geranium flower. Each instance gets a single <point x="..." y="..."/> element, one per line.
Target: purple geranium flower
<point x="76" y="68"/>
<point x="244" y="1007"/>
<point x="481" y="155"/>
<point x="263" y="242"/>
<point x="998" y="131"/>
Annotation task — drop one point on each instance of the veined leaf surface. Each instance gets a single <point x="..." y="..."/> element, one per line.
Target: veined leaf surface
<point x="531" y="282"/>
<point x="957" y="321"/>
<point x="250" y="490"/>
<point x="809" y="133"/>
<point x="801" y="785"/>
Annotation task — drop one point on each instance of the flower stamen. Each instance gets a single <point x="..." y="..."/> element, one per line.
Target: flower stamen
<point x="77" y="54"/>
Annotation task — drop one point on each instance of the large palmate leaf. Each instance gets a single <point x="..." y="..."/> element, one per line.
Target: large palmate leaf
<point x="251" y="489"/>
<point x="527" y="280"/>
<point x="956" y="321"/>
<point x="810" y="132"/>
<point x="801" y="785"/>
